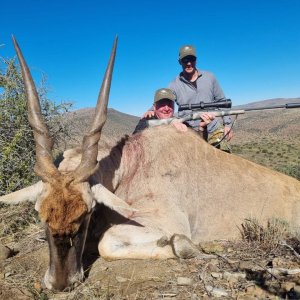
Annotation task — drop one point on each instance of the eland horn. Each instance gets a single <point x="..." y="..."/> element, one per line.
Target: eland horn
<point x="44" y="166"/>
<point x="90" y="141"/>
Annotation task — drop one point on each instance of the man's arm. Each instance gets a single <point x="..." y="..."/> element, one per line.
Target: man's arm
<point x="149" y="113"/>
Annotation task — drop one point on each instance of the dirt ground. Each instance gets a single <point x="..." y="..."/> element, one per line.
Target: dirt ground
<point x="223" y="270"/>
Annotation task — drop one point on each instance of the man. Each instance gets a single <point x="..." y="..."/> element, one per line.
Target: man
<point x="163" y="108"/>
<point x="193" y="86"/>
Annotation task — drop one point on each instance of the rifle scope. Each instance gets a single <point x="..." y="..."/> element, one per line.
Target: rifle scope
<point x="205" y="105"/>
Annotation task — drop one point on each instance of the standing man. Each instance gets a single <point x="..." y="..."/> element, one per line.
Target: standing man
<point x="193" y="86"/>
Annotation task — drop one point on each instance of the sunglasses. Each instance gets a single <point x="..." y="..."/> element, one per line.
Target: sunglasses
<point x="187" y="59"/>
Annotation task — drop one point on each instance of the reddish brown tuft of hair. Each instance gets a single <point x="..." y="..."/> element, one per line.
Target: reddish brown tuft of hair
<point x="63" y="209"/>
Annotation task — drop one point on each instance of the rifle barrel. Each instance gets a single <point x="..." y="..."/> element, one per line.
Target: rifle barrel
<point x="287" y="105"/>
<point x="196" y="115"/>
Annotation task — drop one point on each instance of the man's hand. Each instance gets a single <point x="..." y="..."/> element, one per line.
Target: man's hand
<point x="230" y="134"/>
<point x="206" y="118"/>
<point x="180" y="126"/>
<point x="148" y="114"/>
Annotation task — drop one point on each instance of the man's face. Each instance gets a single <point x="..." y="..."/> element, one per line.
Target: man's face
<point x="188" y="64"/>
<point x="164" y="109"/>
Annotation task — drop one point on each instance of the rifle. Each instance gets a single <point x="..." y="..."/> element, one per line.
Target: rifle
<point x="200" y="108"/>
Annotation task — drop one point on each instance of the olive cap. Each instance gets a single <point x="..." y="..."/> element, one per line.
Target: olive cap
<point x="164" y="94"/>
<point x="186" y="51"/>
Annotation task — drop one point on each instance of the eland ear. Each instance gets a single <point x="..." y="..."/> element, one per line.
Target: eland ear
<point x="104" y="196"/>
<point x="30" y="194"/>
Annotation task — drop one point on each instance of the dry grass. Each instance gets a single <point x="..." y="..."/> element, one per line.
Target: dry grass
<point x="271" y="234"/>
<point x="17" y="221"/>
<point x="271" y="238"/>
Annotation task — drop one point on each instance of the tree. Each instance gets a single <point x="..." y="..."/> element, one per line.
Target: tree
<point x="17" y="147"/>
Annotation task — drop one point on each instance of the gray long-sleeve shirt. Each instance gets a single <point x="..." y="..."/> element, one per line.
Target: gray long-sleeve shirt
<point x="207" y="89"/>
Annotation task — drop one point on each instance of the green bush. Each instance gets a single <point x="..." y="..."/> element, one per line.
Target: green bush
<point x="17" y="147"/>
<point x="293" y="171"/>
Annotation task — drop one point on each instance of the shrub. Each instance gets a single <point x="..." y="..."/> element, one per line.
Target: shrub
<point x="268" y="237"/>
<point x="17" y="155"/>
<point x="293" y="171"/>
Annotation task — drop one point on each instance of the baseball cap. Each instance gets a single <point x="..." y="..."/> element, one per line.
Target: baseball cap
<point x="187" y="50"/>
<point x="164" y="93"/>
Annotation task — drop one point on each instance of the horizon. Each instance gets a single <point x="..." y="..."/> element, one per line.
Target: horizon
<point x="252" y="48"/>
<point x="286" y="100"/>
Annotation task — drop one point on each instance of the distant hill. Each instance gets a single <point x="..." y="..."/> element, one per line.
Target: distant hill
<point x="278" y="123"/>
<point x="117" y="125"/>
<point x="269" y="102"/>
<point x="283" y="124"/>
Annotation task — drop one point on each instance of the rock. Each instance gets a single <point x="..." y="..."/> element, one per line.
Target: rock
<point x="256" y="291"/>
<point x="195" y="297"/>
<point x="121" y="279"/>
<point x="168" y="296"/>
<point x="233" y="276"/>
<point x="216" y="292"/>
<point x="246" y="297"/>
<point x="37" y="285"/>
<point x="216" y="275"/>
<point x="211" y="247"/>
<point x="297" y="289"/>
<point x="278" y="262"/>
<point x="8" y="274"/>
<point x="246" y="265"/>
<point x="184" y="281"/>
<point x="287" y="286"/>
<point x="213" y="266"/>
<point x="5" y="252"/>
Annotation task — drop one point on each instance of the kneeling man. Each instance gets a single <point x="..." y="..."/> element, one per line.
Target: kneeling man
<point x="163" y="107"/>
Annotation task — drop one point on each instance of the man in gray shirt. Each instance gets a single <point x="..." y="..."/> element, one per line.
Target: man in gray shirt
<point x="193" y="86"/>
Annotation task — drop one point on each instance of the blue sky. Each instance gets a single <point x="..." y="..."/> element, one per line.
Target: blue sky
<point x="252" y="47"/>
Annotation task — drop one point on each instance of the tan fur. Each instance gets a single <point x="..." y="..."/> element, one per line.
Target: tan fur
<point x="216" y="190"/>
<point x="181" y="184"/>
<point x="63" y="208"/>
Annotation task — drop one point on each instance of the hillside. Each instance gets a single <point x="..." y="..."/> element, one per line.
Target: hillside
<point x="282" y="124"/>
<point x="117" y="125"/>
<point x="268" y="137"/>
<point x="268" y="102"/>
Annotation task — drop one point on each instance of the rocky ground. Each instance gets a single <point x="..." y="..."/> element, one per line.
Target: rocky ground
<point x="264" y="265"/>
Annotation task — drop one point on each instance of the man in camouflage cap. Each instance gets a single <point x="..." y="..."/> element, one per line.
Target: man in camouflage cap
<point x="163" y="108"/>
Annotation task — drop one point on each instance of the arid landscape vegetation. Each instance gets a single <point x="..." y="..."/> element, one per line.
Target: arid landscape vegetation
<point x="263" y="264"/>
